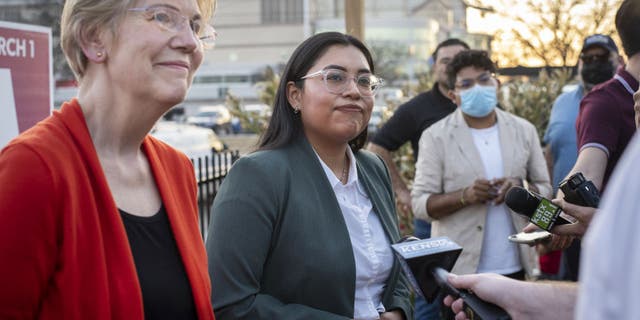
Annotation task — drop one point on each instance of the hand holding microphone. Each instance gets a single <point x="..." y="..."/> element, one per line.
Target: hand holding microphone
<point x="540" y="211"/>
<point x="523" y="300"/>
<point x="583" y="216"/>
<point x="543" y="213"/>
<point x="489" y="287"/>
<point x="553" y="242"/>
<point x="546" y="214"/>
<point x="425" y="262"/>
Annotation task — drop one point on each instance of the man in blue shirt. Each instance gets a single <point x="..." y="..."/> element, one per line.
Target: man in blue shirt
<point x="598" y="62"/>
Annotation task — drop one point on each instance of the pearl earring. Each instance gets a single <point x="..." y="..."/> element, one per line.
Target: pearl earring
<point x="99" y="54"/>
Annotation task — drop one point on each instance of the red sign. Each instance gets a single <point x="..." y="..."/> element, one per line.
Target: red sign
<point x="26" y="77"/>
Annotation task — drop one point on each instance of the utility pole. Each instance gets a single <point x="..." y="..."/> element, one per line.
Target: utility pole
<point x="306" y="26"/>
<point x="354" y="18"/>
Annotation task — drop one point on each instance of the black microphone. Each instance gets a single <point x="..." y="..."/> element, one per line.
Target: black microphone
<point x="427" y="262"/>
<point x="580" y="191"/>
<point x="540" y="211"/>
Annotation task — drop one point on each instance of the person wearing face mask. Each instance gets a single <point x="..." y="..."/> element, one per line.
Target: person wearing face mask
<point x="468" y="161"/>
<point x="608" y="284"/>
<point x="598" y="62"/>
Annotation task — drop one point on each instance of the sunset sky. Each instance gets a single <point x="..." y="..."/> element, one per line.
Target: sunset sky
<point x="507" y="50"/>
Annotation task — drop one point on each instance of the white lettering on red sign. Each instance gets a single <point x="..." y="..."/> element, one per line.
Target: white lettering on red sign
<point x="16" y="47"/>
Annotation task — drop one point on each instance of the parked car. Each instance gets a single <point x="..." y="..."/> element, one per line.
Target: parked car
<point x="194" y="141"/>
<point x="216" y="118"/>
<point x="256" y="117"/>
<point x="258" y="109"/>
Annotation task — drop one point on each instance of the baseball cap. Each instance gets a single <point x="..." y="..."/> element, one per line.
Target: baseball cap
<point x="600" y="40"/>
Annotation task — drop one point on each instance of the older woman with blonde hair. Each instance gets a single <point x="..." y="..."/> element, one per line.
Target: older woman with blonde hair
<point x="98" y="220"/>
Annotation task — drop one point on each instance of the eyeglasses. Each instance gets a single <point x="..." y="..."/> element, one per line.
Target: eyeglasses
<point x="485" y="79"/>
<point x="337" y="81"/>
<point x="172" y="20"/>
<point x="592" y="58"/>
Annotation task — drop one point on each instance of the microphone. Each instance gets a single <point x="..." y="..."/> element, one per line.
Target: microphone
<point x="427" y="262"/>
<point x="580" y="191"/>
<point x="541" y="211"/>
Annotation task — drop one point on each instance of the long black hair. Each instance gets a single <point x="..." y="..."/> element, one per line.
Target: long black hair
<point x="285" y="125"/>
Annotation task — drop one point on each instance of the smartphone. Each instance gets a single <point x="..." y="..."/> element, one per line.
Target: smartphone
<point x="530" y="237"/>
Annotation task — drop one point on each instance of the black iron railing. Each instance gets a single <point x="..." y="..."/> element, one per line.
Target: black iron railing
<point x="210" y="172"/>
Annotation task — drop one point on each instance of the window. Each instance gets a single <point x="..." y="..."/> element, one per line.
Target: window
<point x="282" y="11"/>
<point x="207" y="79"/>
<point x="233" y="78"/>
<point x="11" y="13"/>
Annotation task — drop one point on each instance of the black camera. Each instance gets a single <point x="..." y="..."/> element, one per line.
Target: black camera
<point x="580" y="191"/>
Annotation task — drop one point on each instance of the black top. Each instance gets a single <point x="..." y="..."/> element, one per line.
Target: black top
<point x="166" y="292"/>
<point x="413" y="117"/>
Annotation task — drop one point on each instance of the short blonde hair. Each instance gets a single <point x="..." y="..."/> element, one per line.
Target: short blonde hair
<point x="82" y="19"/>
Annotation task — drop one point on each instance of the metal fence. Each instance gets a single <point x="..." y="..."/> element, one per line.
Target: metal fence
<point x="210" y="172"/>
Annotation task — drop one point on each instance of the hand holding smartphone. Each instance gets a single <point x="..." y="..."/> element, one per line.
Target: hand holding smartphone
<point x="530" y="237"/>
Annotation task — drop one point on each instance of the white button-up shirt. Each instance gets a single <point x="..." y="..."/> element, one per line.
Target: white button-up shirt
<point x="371" y="248"/>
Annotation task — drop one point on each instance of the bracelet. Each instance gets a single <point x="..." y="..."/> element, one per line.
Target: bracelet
<point x="462" y="201"/>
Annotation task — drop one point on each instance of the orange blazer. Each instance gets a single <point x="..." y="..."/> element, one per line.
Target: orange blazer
<point x="64" y="252"/>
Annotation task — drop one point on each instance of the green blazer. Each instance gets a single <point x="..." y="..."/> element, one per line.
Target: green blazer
<point x="278" y="244"/>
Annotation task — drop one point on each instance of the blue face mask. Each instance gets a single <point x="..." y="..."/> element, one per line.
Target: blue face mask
<point x="478" y="101"/>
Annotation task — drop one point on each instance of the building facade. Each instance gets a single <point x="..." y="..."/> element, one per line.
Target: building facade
<point x="254" y="34"/>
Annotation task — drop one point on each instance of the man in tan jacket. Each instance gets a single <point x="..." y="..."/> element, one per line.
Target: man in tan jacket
<point x="466" y="164"/>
